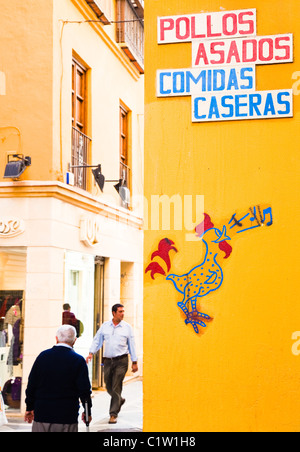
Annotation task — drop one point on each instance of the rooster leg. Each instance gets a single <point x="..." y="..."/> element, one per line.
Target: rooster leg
<point x="188" y="319"/>
<point x="183" y="307"/>
<point x="194" y="304"/>
<point x="195" y="316"/>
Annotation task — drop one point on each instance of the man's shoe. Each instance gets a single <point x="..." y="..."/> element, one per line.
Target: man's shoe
<point x="122" y="402"/>
<point x="112" y="420"/>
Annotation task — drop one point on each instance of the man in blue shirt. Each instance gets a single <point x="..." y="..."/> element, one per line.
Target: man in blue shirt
<point x="119" y="342"/>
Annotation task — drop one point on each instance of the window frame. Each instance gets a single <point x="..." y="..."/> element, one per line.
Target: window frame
<point x="80" y="140"/>
<point x="124" y="143"/>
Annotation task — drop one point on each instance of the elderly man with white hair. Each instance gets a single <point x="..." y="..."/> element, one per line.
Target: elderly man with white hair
<point x="58" y="379"/>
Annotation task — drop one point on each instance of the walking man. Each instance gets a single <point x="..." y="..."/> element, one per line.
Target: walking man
<point x="119" y="342"/>
<point x="58" y="379"/>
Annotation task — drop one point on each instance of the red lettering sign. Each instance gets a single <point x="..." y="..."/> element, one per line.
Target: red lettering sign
<point x="222" y="24"/>
<point x="257" y="50"/>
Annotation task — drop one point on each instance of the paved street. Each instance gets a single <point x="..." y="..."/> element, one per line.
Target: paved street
<point x="130" y="418"/>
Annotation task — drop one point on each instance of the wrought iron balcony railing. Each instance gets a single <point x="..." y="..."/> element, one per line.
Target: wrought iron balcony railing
<point x="130" y="31"/>
<point x="80" y="153"/>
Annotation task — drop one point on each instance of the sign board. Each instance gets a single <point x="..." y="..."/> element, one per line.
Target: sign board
<point x="223" y="24"/>
<point x="90" y="231"/>
<point x="246" y="105"/>
<point x="222" y="77"/>
<point x="257" y="50"/>
<point x="186" y="82"/>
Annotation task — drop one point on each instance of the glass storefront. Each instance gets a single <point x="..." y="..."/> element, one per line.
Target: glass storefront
<point x="82" y="303"/>
<point x="12" y="308"/>
<point x="78" y="307"/>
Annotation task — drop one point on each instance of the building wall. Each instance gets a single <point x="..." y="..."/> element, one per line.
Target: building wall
<point x="57" y="222"/>
<point x="36" y="59"/>
<point x="52" y="228"/>
<point x="238" y="373"/>
<point x="26" y="61"/>
<point x="111" y="79"/>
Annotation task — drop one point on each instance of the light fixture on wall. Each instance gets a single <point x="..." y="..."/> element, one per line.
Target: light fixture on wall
<point x="120" y="187"/>
<point x="99" y="177"/>
<point x="123" y="191"/>
<point x="14" y="168"/>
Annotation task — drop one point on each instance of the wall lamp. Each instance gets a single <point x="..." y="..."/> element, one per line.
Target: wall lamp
<point x="120" y="187"/>
<point x="14" y="168"/>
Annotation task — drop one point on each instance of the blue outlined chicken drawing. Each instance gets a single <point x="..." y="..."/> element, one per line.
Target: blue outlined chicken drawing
<point x="203" y="279"/>
<point x="208" y="276"/>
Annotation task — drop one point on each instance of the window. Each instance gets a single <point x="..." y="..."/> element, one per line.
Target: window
<point x="124" y="145"/>
<point x="80" y="141"/>
<point x="130" y="30"/>
<point x="13" y="263"/>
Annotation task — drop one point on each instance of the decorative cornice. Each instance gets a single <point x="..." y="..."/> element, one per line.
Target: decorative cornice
<point x="71" y="195"/>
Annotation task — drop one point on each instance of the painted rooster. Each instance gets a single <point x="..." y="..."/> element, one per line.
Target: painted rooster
<point x="206" y="277"/>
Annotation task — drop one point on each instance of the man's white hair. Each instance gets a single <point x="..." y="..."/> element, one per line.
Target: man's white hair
<point x="66" y="334"/>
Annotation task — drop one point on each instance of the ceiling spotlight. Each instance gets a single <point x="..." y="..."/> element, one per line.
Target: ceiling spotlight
<point x="14" y="168"/>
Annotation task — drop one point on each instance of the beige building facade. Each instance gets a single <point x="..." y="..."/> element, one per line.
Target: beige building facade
<point x="77" y="111"/>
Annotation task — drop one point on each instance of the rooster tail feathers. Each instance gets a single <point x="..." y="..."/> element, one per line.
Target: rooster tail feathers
<point x="154" y="268"/>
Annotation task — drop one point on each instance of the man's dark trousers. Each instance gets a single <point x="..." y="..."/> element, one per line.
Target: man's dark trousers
<point x="114" y="373"/>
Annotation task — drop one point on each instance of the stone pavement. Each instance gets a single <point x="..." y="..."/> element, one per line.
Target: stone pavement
<point x="130" y="418"/>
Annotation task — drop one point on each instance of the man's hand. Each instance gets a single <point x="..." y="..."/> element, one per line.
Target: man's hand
<point x="89" y="358"/>
<point x="29" y="417"/>
<point x="84" y="418"/>
<point x="134" y="367"/>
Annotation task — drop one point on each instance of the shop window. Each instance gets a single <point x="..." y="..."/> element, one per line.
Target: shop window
<point x="12" y="304"/>
<point x="79" y="295"/>
<point x="84" y="303"/>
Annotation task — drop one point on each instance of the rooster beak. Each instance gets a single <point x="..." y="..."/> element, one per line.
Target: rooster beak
<point x="222" y="235"/>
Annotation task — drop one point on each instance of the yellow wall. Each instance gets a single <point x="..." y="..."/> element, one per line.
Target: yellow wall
<point x="238" y="373"/>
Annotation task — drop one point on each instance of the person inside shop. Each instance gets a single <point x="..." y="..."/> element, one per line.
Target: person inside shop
<point x="69" y="318"/>
<point x="119" y="342"/>
<point x="57" y="381"/>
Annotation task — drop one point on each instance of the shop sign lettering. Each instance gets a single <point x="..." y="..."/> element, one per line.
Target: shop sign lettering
<point x="223" y="24"/>
<point x="225" y="52"/>
<point x="257" y="105"/>
<point x="257" y="50"/>
<point x="11" y="227"/>
<point x="89" y="231"/>
<point x="186" y="82"/>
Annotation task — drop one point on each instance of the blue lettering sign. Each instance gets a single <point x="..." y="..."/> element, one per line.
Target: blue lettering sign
<point x="257" y="105"/>
<point x="187" y="82"/>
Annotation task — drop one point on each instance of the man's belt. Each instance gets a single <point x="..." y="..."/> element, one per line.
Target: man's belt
<point x="115" y="358"/>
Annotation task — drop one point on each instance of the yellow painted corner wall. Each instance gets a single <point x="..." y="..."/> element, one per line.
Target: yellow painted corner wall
<point x="241" y="372"/>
